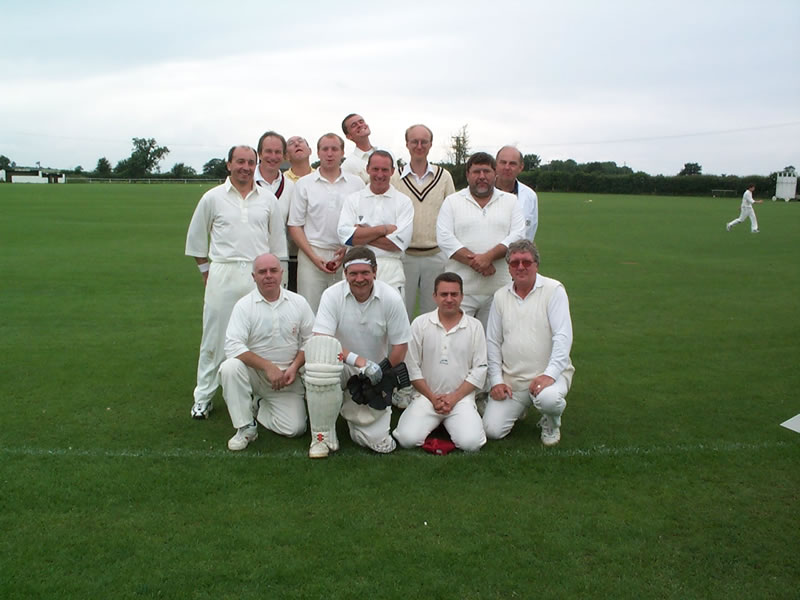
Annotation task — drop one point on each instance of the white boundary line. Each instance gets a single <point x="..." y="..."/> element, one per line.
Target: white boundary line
<point x="534" y="452"/>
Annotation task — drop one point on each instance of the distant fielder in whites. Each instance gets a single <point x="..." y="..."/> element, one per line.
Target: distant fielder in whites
<point x="264" y="347"/>
<point x="509" y="165"/>
<point x="446" y="364"/>
<point x="362" y="323"/>
<point x="233" y="224"/>
<point x="529" y="340"/>
<point x="427" y="186"/>
<point x="474" y="228"/>
<point x="380" y="218"/>
<point x="747" y="210"/>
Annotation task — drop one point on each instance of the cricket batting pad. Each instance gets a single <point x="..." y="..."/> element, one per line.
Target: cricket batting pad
<point x="323" y="387"/>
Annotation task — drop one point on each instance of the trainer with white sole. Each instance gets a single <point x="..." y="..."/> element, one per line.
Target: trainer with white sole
<point x="529" y="338"/>
<point x="233" y="224"/>
<point x="266" y="335"/>
<point x="368" y="317"/>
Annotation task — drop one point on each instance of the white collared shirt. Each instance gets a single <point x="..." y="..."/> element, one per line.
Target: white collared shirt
<point x="228" y="228"/>
<point x="367" y="328"/>
<point x="365" y="208"/>
<point x="408" y="172"/>
<point x="317" y="204"/>
<point x="445" y="359"/>
<point x="285" y="199"/>
<point x="463" y="223"/>
<point x="559" y="323"/>
<point x="356" y="163"/>
<point x="529" y="204"/>
<point x="275" y="330"/>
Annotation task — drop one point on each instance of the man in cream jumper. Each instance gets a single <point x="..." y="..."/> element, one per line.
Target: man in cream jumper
<point x="446" y="364"/>
<point x="509" y="166"/>
<point x="427" y="186"/>
<point x="233" y="224"/>
<point x="313" y="217"/>
<point x="529" y="339"/>
<point x="264" y="347"/>
<point x="380" y="218"/>
<point x="474" y="228"/>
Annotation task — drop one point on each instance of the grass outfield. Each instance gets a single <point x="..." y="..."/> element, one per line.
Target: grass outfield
<point x="673" y="478"/>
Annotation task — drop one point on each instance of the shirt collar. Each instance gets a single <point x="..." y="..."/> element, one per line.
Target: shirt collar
<point x="229" y="186"/>
<point x="433" y="316"/>
<point x="407" y="171"/>
<point x="317" y="175"/>
<point x="536" y="284"/>
<point x="260" y="298"/>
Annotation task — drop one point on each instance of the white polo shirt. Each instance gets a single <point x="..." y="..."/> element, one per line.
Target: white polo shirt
<point x="367" y="328"/>
<point x="445" y="359"/>
<point x="317" y="204"/>
<point x="463" y="223"/>
<point x="366" y="208"/>
<point x="356" y="163"/>
<point x="240" y="229"/>
<point x="285" y="199"/>
<point x="275" y="330"/>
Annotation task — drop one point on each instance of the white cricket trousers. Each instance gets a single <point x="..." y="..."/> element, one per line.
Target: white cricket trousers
<point x="744" y="213"/>
<point x="368" y="427"/>
<point x="282" y="411"/>
<point x="421" y="272"/>
<point x="390" y="271"/>
<point x="463" y="423"/>
<point x="478" y="307"/>
<point x="311" y="282"/>
<point x="227" y="283"/>
<point x="500" y="416"/>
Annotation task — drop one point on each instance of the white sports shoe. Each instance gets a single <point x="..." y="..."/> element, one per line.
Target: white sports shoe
<point x="244" y="435"/>
<point x="728" y="227"/>
<point x="551" y="432"/>
<point x="322" y="444"/>
<point x="201" y="410"/>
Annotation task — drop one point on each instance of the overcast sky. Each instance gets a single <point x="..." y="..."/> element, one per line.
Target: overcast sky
<point x="652" y="85"/>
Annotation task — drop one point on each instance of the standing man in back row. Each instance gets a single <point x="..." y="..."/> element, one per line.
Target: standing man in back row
<point x="233" y="224"/>
<point x="509" y="165"/>
<point x="357" y="131"/>
<point x="474" y="228"/>
<point x="427" y="186"/>
<point x="313" y="218"/>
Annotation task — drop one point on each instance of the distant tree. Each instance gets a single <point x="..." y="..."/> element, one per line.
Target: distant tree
<point x="144" y="158"/>
<point x="216" y="168"/>
<point x="315" y="164"/>
<point x="78" y="170"/>
<point x="459" y="147"/>
<point x="531" y="162"/>
<point x="691" y="169"/>
<point x="790" y="169"/>
<point x="182" y="171"/>
<point x="103" y="168"/>
<point x="5" y="162"/>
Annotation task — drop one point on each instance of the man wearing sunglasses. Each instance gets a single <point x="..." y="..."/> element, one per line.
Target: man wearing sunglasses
<point x="529" y="337"/>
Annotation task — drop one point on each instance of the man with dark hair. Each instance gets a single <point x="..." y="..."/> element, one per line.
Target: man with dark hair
<point x="313" y="217"/>
<point x="380" y="218"/>
<point x="233" y="224"/>
<point x="368" y="320"/>
<point x="529" y="339"/>
<point x="474" y="228"/>
<point x="271" y="153"/>
<point x="509" y="166"/>
<point x="446" y="365"/>
<point x="747" y="210"/>
<point x="357" y="131"/>
<point x="426" y="185"/>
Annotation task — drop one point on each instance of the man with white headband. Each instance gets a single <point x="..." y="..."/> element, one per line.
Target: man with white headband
<point x="380" y="218"/>
<point x="361" y="322"/>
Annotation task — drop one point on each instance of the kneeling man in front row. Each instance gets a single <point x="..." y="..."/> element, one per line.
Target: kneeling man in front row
<point x="264" y="348"/>
<point x="446" y="364"/>
<point x="529" y="337"/>
<point x="361" y="322"/>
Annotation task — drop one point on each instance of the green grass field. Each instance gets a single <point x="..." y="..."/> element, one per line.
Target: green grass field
<point x="673" y="478"/>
